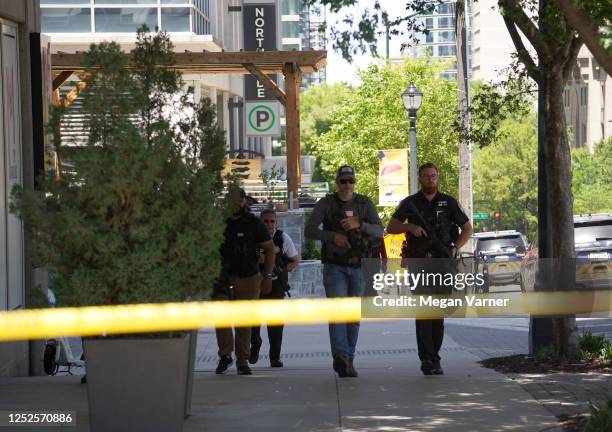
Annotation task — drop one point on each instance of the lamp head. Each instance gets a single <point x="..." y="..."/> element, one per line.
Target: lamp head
<point x="412" y="98"/>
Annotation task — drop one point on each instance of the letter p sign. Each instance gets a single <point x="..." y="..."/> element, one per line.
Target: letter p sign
<point x="263" y="116"/>
<point x="262" y="119"/>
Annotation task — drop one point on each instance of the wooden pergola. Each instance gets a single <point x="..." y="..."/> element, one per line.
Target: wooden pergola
<point x="292" y="64"/>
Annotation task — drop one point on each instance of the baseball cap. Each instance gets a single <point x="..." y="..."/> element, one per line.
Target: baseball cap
<point x="345" y="170"/>
<point x="242" y="193"/>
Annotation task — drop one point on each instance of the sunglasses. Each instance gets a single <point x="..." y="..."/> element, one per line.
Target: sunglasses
<point x="269" y="220"/>
<point x="347" y="181"/>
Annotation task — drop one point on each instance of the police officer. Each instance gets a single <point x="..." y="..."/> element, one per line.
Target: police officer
<point x="287" y="258"/>
<point x="349" y="221"/>
<point x="426" y="210"/>
<point x="241" y="279"/>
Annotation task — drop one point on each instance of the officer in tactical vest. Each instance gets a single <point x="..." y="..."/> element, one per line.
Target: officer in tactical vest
<point x="242" y="279"/>
<point x="286" y="259"/>
<point x="349" y="221"/>
<point x="431" y="222"/>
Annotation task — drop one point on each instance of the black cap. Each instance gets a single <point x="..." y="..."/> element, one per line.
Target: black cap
<point x="242" y="193"/>
<point x="345" y="170"/>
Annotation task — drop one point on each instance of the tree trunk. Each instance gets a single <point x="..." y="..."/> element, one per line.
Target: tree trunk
<point x="562" y="274"/>
<point x="463" y="99"/>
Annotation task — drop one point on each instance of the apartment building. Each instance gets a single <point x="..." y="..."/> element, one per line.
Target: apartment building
<point x="20" y="86"/>
<point x="588" y="94"/>
<point x="439" y="42"/>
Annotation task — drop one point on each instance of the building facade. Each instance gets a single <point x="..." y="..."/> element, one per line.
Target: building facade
<point x="439" y="41"/>
<point x="193" y="25"/>
<point x="301" y="29"/>
<point x="588" y="102"/>
<point x="19" y="41"/>
<point x="492" y="47"/>
<point x="588" y="94"/>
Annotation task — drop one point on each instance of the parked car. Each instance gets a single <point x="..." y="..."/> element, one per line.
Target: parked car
<point x="498" y="256"/>
<point x="593" y="245"/>
<point x="593" y="242"/>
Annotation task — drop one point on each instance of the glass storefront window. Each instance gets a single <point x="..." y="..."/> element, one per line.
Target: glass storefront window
<point x="291" y="7"/>
<point x="290" y="29"/>
<point x="447" y="50"/>
<point x="446" y="36"/>
<point x="291" y="47"/>
<point x="446" y="8"/>
<point x="126" y="2"/>
<point x="72" y="20"/>
<point x="56" y="2"/>
<point x="124" y="19"/>
<point x="175" y="19"/>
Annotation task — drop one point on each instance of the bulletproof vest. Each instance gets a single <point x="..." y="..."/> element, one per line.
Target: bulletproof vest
<point x="280" y="262"/>
<point x="439" y="221"/>
<point x="240" y="249"/>
<point x="442" y="223"/>
<point x="358" y="239"/>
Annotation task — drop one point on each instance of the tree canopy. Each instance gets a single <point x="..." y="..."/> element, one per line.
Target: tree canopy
<point x="373" y="118"/>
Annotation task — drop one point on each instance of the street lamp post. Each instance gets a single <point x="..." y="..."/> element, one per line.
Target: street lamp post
<point x="412" y="102"/>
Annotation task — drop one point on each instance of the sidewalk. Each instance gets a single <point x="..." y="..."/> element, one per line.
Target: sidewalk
<point x="391" y="394"/>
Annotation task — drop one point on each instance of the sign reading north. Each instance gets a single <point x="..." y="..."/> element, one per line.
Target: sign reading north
<point x="259" y="27"/>
<point x="259" y="30"/>
<point x="262" y="118"/>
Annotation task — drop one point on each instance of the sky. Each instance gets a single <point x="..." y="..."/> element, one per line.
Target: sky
<point x="338" y="70"/>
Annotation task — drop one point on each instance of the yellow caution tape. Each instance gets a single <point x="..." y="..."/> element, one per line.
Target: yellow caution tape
<point x="142" y="318"/>
<point x="97" y="320"/>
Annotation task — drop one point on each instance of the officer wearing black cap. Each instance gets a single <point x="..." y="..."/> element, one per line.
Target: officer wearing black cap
<point x="349" y="220"/>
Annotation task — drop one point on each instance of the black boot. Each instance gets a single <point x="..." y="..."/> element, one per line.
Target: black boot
<point x="350" y="370"/>
<point x="437" y="369"/>
<point x="341" y="364"/>
<point x="224" y="363"/>
<point x="427" y="367"/>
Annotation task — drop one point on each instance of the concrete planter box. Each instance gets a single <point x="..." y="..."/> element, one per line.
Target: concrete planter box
<point x="306" y="280"/>
<point x="138" y="383"/>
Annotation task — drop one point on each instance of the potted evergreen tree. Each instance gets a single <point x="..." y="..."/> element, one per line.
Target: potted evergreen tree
<point x="133" y="218"/>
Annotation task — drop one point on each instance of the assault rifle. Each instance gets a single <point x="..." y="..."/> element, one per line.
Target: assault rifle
<point x="433" y="244"/>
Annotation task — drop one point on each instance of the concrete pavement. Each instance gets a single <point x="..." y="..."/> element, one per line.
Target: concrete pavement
<point x="391" y="394"/>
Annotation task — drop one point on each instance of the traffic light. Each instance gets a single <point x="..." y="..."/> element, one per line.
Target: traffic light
<point x="496" y="216"/>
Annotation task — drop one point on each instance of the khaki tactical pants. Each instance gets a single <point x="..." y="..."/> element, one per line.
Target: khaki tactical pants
<point x="244" y="289"/>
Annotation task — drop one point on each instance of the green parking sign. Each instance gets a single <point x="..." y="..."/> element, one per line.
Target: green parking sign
<point x="262" y="118"/>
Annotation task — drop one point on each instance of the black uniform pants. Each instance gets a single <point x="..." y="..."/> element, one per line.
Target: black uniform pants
<point x="430" y="334"/>
<point x="275" y="333"/>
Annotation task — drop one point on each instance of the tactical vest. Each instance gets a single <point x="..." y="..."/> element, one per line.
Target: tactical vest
<point x="280" y="264"/>
<point x="240" y="249"/>
<point x="358" y="240"/>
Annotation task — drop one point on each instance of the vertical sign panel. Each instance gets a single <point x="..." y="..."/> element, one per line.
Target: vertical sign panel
<point x="260" y="34"/>
<point x="13" y="164"/>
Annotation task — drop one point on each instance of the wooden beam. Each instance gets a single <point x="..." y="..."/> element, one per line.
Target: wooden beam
<point x="61" y="78"/>
<point x="267" y="82"/>
<point x="269" y="62"/>
<point x="293" y="79"/>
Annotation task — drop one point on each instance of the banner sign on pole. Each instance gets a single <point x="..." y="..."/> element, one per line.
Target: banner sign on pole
<point x="262" y="118"/>
<point x="392" y="176"/>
